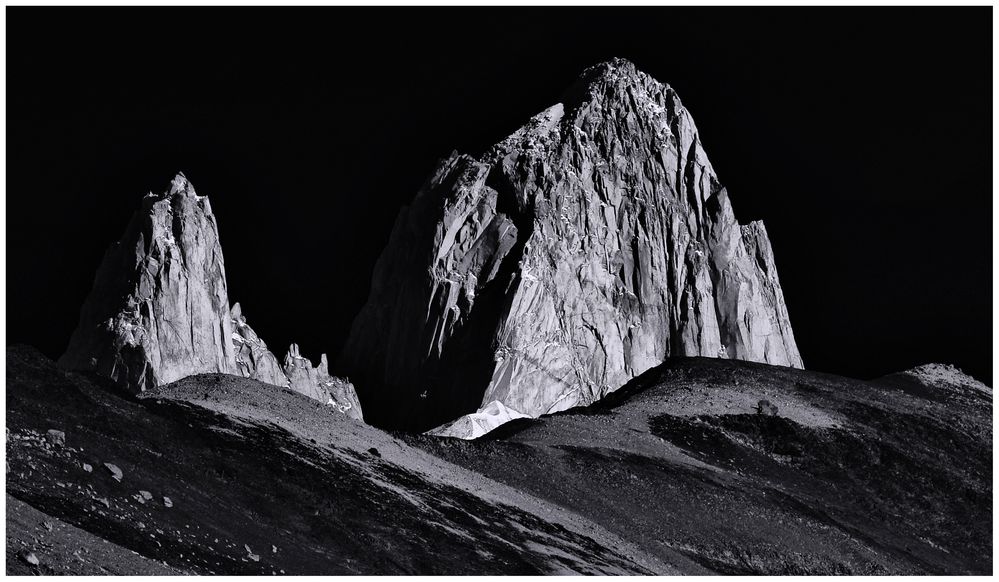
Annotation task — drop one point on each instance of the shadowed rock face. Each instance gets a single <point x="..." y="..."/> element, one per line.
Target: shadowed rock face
<point x="585" y="248"/>
<point x="159" y="308"/>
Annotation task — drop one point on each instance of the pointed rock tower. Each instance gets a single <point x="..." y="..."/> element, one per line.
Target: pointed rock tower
<point x="585" y="248"/>
<point x="159" y="308"/>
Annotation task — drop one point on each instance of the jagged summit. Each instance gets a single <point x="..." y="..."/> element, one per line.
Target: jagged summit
<point x="159" y="310"/>
<point x="613" y="73"/>
<point x="581" y="250"/>
<point x="179" y="186"/>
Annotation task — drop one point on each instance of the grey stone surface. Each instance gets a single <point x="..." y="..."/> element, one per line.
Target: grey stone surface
<point x="316" y="382"/>
<point x="56" y="437"/>
<point x="585" y="248"/>
<point x="159" y="308"/>
<point x="253" y="359"/>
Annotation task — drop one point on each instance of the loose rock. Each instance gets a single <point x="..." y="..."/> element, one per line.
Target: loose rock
<point x="116" y="473"/>
<point x="56" y="437"/>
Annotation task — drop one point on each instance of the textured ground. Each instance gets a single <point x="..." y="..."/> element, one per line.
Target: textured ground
<point x="264" y="480"/>
<point x="850" y="477"/>
<point x="674" y="473"/>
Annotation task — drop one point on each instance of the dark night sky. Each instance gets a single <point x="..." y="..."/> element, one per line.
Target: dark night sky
<point x="861" y="136"/>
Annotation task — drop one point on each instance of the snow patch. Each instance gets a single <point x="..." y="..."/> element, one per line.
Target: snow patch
<point x="474" y="425"/>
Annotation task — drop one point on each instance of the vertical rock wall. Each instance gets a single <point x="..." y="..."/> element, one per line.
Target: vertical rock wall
<point x="585" y="248"/>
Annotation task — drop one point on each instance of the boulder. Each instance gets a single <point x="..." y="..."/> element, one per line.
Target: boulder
<point x="56" y="437"/>
<point x="115" y="471"/>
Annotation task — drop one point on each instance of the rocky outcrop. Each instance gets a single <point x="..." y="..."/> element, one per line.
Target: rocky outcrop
<point x="585" y="248"/>
<point x="944" y="377"/>
<point x="253" y="359"/>
<point x="159" y="308"/>
<point x="316" y="382"/>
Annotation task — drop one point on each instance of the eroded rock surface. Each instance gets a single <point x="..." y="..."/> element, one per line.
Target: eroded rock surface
<point x="255" y="361"/>
<point x="585" y="248"/>
<point x="316" y="382"/>
<point x="159" y="308"/>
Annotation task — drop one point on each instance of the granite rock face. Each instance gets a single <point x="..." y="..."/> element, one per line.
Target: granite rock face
<point x="585" y="248"/>
<point x="254" y="360"/>
<point x="159" y="308"/>
<point x="316" y="383"/>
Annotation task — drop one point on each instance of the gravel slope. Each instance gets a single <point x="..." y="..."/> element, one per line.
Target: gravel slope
<point x="848" y="477"/>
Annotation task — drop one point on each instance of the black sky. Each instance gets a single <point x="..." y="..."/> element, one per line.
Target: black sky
<point x="861" y="136"/>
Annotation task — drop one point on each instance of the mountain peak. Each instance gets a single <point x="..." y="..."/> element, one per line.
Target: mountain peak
<point x="583" y="249"/>
<point x="181" y="185"/>
<point x="614" y="67"/>
<point x="616" y="76"/>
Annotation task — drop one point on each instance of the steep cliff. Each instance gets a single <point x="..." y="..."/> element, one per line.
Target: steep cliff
<point x="585" y="248"/>
<point x="253" y="359"/>
<point x="159" y="308"/>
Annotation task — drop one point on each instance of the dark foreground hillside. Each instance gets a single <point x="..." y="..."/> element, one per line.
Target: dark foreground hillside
<point x="848" y="477"/>
<point x="220" y="474"/>
<point x="675" y="473"/>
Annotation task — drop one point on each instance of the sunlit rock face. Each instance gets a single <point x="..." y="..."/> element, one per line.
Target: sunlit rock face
<point x="159" y="308"/>
<point x="297" y="373"/>
<point x="587" y="247"/>
<point x="253" y="359"/>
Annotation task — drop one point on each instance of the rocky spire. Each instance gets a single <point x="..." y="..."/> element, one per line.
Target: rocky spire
<point x="253" y="359"/>
<point x="585" y="248"/>
<point x="159" y="308"/>
<point x="316" y="383"/>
